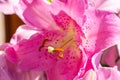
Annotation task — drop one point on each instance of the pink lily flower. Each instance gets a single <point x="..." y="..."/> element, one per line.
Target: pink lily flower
<point x="61" y="40"/>
<point x="53" y="51"/>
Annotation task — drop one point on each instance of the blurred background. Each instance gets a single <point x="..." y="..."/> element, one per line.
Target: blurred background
<point x="8" y="26"/>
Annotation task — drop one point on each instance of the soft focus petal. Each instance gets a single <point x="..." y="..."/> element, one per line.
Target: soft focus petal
<point x="96" y="60"/>
<point x="9" y="71"/>
<point x="110" y="56"/>
<point x="7" y="6"/>
<point x="21" y="7"/>
<point x="102" y="74"/>
<point x="106" y="5"/>
<point x="23" y="32"/>
<point x="90" y="75"/>
<point x="38" y="15"/>
<point x="108" y="74"/>
<point x="3" y="70"/>
<point x="102" y="31"/>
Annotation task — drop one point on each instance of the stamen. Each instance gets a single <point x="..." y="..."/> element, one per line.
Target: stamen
<point x="45" y="40"/>
<point x="58" y="50"/>
<point x="66" y="42"/>
<point x="53" y="50"/>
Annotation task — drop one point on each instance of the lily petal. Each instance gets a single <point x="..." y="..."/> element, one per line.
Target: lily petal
<point x="9" y="71"/>
<point x="76" y="12"/>
<point x="102" y="31"/>
<point x="21" y="34"/>
<point x="102" y="74"/>
<point x="110" y="56"/>
<point x="38" y="15"/>
<point x="7" y="6"/>
<point x="108" y="73"/>
<point x="29" y="51"/>
<point x="66" y="68"/>
<point x="105" y="5"/>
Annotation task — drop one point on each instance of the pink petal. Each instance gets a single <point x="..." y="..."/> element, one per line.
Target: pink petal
<point x="64" y="22"/>
<point x="11" y="54"/>
<point x="106" y="5"/>
<point x="20" y="8"/>
<point x="9" y="71"/>
<point x="76" y="12"/>
<point x="7" y="6"/>
<point x="38" y="15"/>
<point x="42" y="11"/>
<point x="110" y="56"/>
<point x="23" y="32"/>
<point x="102" y="74"/>
<point x="118" y="64"/>
<point x="29" y="51"/>
<point x="96" y="60"/>
<point x="68" y="67"/>
<point x="102" y="31"/>
<point x="108" y="74"/>
<point x="90" y="75"/>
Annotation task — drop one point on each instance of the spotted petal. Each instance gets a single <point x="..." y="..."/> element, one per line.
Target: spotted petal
<point x="74" y="8"/>
<point x="31" y="51"/>
<point x="68" y="67"/>
<point x="102" y="31"/>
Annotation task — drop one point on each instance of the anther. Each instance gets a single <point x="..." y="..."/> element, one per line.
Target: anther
<point x="58" y="50"/>
<point x="54" y="50"/>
